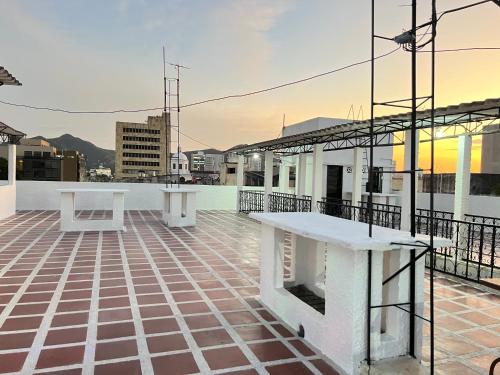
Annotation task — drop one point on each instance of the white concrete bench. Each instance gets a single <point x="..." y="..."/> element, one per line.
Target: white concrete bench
<point x="69" y="222"/>
<point x="340" y="276"/>
<point x="179" y="206"/>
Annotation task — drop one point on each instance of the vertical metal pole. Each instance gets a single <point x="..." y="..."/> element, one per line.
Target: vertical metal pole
<point x="431" y="197"/>
<point x="413" y="164"/>
<point x="178" y="128"/>
<point x="370" y="196"/>
<point x="165" y="118"/>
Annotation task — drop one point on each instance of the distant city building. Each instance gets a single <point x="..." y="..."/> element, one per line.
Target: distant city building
<point x="179" y="168"/>
<point x="37" y="159"/>
<point x="142" y="149"/>
<point x="490" y="151"/>
<point x="208" y="160"/>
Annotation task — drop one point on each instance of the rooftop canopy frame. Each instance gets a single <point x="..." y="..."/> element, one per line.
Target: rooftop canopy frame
<point x="465" y="118"/>
<point x="10" y="135"/>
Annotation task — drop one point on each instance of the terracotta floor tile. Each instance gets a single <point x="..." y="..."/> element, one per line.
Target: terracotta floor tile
<point x="83" y="305"/>
<point x="166" y="343"/>
<point x="186" y="296"/>
<point x="151" y="299"/>
<point x="30" y="309"/>
<point x="456" y="345"/>
<point x="110" y="331"/>
<point x="296" y="368"/>
<point x="70" y="319"/>
<point x="302" y="348"/>
<point x="160" y="325"/>
<point x="12" y="362"/>
<point x="16" y="324"/>
<point x="60" y="356"/>
<point x="225" y="358"/>
<point x="16" y="340"/>
<point x="282" y="330"/>
<point x="324" y="367"/>
<point x="240" y="317"/>
<point x="202" y="321"/>
<point x="113" y="302"/>
<point x="212" y="337"/>
<point x="115" y="349"/>
<point x="484" y="337"/>
<point x="479" y="318"/>
<point x="454" y="368"/>
<point x="193" y="308"/>
<point x="66" y="336"/>
<point x="271" y="351"/>
<point x="483" y="361"/>
<point x="254" y="332"/>
<point x="155" y="311"/>
<point x="119" y="368"/>
<point x="452" y="324"/>
<point x="177" y="364"/>
<point x="229" y="304"/>
<point x="114" y="315"/>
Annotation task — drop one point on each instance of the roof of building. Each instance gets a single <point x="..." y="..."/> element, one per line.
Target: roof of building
<point x="8" y="79"/>
<point x="10" y="135"/>
<point x="357" y="133"/>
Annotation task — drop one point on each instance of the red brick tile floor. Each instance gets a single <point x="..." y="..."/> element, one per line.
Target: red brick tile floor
<point x="177" y="301"/>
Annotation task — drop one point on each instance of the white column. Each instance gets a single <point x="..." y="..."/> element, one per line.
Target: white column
<point x="317" y="187"/>
<point x="118" y="210"/>
<point x="268" y="178"/>
<point x="300" y="174"/>
<point x="462" y="177"/>
<point x="462" y="188"/>
<point x="240" y="177"/>
<point x="11" y="156"/>
<point x="240" y="172"/>
<point x="357" y="176"/>
<point x="406" y="193"/>
<point x="284" y="177"/>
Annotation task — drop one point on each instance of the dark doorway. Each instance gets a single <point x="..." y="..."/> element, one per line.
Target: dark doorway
<point x="334" y="190"/>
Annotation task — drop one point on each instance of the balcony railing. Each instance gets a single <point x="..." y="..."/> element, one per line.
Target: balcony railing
<point x="283" y="202"/>
<point x="251" y="201"/>
<point x="474" y="253"/>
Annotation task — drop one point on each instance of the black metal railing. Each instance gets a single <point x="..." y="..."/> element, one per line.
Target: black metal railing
<point x="384" y="215"/>
<point x="251" y="201"/>
<point x="474" y="252"/>
<point x="284" y="202"/>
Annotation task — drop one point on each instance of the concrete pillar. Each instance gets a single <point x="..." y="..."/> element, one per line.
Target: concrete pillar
<point x="406" y="193"/>
<point x="462" y="188"/>
<point x="357" y="176"/>
<point x="300" y="174"/>
<point x="11" y="156"/>
<point x="268" y="178"/>
<point x="462" y="177"/>
<point x="240" y="177"/>
<point x="317" y="187"/>
<point x="284" y="177"/>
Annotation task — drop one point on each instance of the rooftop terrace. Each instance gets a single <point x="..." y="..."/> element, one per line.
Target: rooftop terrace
<point x="178" y="301"/>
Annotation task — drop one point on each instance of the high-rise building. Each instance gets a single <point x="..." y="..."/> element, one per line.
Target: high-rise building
<point x="142" y="149"/>
<point x="490" y="151"/>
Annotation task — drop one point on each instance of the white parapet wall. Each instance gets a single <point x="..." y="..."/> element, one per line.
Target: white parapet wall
<point x="7" y="199"/>
<point x="43" y="195"/>
<point x="483" y="205"/>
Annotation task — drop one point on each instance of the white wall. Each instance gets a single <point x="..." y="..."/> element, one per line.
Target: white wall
<point x="478" y="204"/>
<point x="7" y="199"/>
<point x="43" y="195"/>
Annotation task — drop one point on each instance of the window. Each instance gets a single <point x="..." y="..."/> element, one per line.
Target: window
<point x="37" y="154"/>
<point x="231" y="170"/>
<point x="174" y="166"/>
<point x="46" y="154"/>
<point x="28" y="154"/>
<point x="180" y="166"/>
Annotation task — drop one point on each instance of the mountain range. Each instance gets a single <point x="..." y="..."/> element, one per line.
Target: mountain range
<point x="95" y="155"/>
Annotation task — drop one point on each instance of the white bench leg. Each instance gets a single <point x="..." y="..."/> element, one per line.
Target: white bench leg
<point x="67" y="211"/>
<point x="118" y="209"/>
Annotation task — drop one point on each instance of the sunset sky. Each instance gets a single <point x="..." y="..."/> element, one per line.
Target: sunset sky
<point x="102" y="55"/>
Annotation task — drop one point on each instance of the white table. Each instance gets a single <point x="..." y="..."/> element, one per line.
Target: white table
<point x="329" y="257"/>
<point x="179" y="206"/>
<point x="70" y="223"/>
